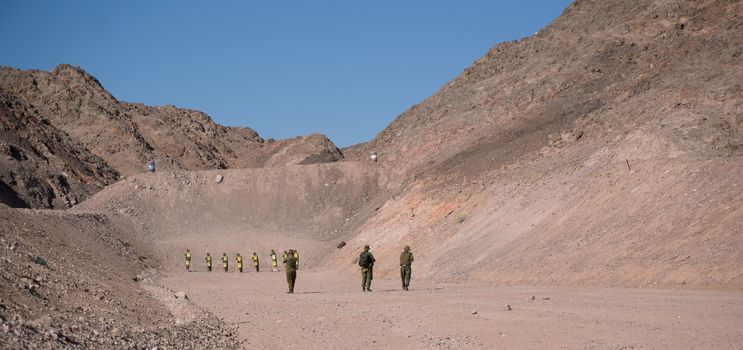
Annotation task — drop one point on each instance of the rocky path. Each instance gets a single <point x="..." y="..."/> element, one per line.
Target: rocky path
<point x="331" y="312"/>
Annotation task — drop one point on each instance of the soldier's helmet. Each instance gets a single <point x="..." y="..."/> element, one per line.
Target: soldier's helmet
<point x="407" y="248"/>
<point x="366" y="247"/>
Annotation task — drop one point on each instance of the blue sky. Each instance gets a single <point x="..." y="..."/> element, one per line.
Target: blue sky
<point x="284" y="68"/>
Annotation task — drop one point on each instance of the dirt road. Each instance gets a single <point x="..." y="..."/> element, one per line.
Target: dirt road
<point x="331" y="312"/>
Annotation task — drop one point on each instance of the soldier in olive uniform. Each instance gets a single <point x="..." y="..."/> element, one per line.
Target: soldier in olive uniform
<point x="225" y="261"/>
<point x="290" y="266"/>
<point x="208" y="262"/>
<point x="406" y="259"/>
<point x="366" y="261"/>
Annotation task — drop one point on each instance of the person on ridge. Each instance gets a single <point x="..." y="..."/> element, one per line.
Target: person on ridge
<point x="225" y="261"/>
<point x="188" y="260"/>
<point x="366" y="261"/>
<point x="255" y="262"/>
<point x="290" y="266"/>
<point x="406" y="260"/>
<point x="208" y="262"/>
<point x="239" y="263"/>
<point x="274" y="262"/>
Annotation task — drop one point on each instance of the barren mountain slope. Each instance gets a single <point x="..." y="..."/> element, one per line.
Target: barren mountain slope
<point x="126" y="135"/>
<point x="604" y="150"/>
<point x="665" y="71"/>
<point x="67" y="281"/>
<point x="41" y="166"/>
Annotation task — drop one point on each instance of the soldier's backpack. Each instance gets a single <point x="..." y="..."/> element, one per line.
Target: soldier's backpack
<point x="365" y="260"/>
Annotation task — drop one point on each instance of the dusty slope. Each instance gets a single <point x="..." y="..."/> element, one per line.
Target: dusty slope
<point x="41" y="166"/>
<point x="67" y="282"/>
<point x="670" y="70"/>
<point x="306" y="207"/>
<point x="126" y="135"/>
<point x="517" y="171"/>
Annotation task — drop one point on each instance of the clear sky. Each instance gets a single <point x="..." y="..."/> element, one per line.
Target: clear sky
<point x="344" y="68"/>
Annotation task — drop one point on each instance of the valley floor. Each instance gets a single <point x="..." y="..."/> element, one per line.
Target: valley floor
<point x="331" y="312"/>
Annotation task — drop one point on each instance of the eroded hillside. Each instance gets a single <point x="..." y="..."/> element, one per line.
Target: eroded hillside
<point x="41" y="166"/>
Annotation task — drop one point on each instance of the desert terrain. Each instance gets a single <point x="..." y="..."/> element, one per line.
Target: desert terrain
<point x="580" y="188"/>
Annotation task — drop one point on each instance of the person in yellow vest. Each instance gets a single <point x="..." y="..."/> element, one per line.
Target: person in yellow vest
<point x="296" y="256"/>
<point x="274" y="261"/>
<point x="188" y="260"/>
<point x="208" y="262"/>
<point x="225" y="261"/>
<point x="255" y="262"/>
<point x="239" y="263"/>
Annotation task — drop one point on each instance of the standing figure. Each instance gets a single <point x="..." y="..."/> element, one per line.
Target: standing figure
<point x="188" y="260"/>
<point x="274" y="262"/>
<point x="406" y="260"/>
<point x="255" y="262"/>
<point x="225" y="261"/>
<point x="290" y="266"/>
<point x="151" y="166"/>
<point x="208" y="262"/>
<point x="239" y="263"/>
<point x="374" y="156"/>
<point x="366" y="261"/>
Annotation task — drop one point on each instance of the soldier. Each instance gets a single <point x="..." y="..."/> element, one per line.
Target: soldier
<point x="406" y="259"/>
<point x="188" y="260"/>
<point x="290" y="266"/>
<point x="208" y="262"/>
<point x="274" y="262"/>
<point x="225" y="261"/>
<point x="255" y="262"/>
<point x="366" y="261"/>
<point x="239" y="263"/>
<point x="296" y="256"/>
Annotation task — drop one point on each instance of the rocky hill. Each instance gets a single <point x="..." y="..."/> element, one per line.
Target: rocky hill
<point x="605" y="149"/>
<point x="41" y="166"/>
<point x="126" y="135"/>
<point x="661" y="77"/>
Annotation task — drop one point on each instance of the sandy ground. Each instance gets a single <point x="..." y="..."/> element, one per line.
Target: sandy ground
<point x="331" y="312"/>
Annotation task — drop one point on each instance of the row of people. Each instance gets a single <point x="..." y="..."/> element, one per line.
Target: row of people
<point x="239" y="260"/>
<point x="291" y="265"/>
